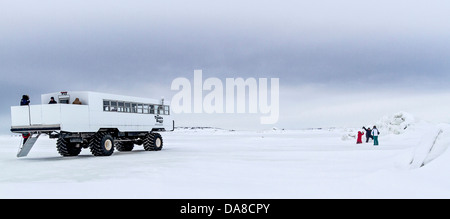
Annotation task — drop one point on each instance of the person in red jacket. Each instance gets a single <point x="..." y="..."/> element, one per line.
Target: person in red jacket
<point x="359" y="140"/>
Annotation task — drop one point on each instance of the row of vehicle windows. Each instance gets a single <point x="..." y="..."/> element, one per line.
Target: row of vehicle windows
<point x="128" y="107"/>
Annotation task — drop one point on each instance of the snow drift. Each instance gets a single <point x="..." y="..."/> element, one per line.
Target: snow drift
<point x="435" y="139"/>
<point x="397" y="123"/>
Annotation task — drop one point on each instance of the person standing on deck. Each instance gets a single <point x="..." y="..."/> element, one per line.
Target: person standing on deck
<point x="25" y="101"/>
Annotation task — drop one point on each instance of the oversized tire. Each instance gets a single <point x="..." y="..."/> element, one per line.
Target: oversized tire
<point x="153" y="142"/>
<point x="66" y="148"/>
<point x="102" y="144"/>
<point x="124" y="145"/>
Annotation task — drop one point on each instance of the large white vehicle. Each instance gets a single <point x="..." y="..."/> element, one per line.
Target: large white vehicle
<point x="98" y="121"/>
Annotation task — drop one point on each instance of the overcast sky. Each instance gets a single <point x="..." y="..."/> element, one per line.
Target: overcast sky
<point x="340" y="51"/>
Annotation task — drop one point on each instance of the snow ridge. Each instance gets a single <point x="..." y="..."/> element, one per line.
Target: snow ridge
<point x="397" y="123"/>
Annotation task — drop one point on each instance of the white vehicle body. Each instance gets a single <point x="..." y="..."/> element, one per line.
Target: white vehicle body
<point x="93" y="114"/>
<point x="101" y="122"/>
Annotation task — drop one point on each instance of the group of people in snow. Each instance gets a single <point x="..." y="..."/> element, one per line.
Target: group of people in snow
<point x="370" y="134"/>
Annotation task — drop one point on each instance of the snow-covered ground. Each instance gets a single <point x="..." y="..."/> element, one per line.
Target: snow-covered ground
<point x="213" y="163"/>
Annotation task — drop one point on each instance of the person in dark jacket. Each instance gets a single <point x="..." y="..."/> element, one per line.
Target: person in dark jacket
<point x="25" y="101"/>
<point x="52" y="101"/>
<point x="368" y="134"/>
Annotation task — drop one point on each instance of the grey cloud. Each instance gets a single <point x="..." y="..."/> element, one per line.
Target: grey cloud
<point x="74" y="45"/>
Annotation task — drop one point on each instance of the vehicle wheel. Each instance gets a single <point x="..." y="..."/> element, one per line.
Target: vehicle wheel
<point x="124" y="145"/>
<point x="101" y="144"/>
<point x="153" y="142"/>
<point x="67" y="149"/>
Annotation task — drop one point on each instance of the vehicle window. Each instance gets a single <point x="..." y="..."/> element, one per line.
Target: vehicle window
<point x="152" y="109"/>
<point x="120" y="107"/>
<point x="106" y="105"/>
<point x="128" y="107"/>
<point x="166" y="110"/>
<point x="146" y="109"/>
<point x="133" y="107"/>
<point x="140" y="108"/>
<point x="114" y="106"/>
